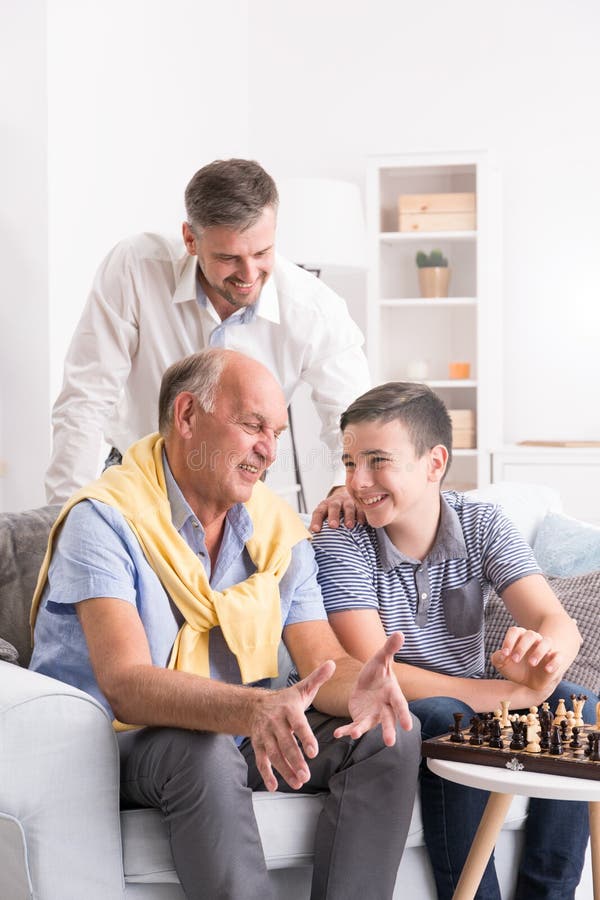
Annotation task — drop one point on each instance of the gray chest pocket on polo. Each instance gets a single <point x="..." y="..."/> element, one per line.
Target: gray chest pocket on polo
<point x="463" y="608"/>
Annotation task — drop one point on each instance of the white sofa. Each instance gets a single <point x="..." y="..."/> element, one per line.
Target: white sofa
<point x="63" y="837"/>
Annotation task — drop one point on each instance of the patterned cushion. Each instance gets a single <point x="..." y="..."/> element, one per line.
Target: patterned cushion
<point x="580" y="596"/>
<point x="565" y="546"/>
<point x="23" y="539"/>
<point x="8" y="653"/>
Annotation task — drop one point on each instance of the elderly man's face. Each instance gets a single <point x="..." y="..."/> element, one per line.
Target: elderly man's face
<point x="237" y="442"/>
<point x="234" y="265"/>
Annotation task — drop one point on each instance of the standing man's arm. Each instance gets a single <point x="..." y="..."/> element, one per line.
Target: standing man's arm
<point x="96" y="368"/>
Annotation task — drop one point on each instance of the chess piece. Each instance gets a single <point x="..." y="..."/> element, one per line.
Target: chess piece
<point x="457" y="737"/>
<point x="533" y="745"/>
<point x="559" y="712"/>
<point x="496" y="741"/>
<point x="545" y="729"/>
<point x="598" y="716"/>
<point x="570" y="717"/>
<point x="578" y="704"/>
<point x="504" y="718"/>
<point x="476" y="739"/>
<point x="575" y="742"/>
<point x="556" y="747"/>
<point x="594" y="752"/>
<point x="518" y="742"/>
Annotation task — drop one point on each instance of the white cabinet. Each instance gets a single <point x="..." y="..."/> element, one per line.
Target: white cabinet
<point x="414" y="339"/>
<point x="573" y="471"/>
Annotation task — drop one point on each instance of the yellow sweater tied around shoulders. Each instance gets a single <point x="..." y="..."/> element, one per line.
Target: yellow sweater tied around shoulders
<point x="249" y="613"/>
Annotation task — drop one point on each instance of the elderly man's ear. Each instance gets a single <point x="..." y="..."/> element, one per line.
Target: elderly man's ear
<point x="185" y="413"/>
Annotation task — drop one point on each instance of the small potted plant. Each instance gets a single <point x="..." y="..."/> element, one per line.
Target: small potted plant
<point x="434" y="274"/>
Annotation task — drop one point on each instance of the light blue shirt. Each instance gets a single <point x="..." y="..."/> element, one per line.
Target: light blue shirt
<point x="97" y="555"/>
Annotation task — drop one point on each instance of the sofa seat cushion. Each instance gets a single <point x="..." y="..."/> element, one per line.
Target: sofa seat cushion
<point x="286" y="823"/>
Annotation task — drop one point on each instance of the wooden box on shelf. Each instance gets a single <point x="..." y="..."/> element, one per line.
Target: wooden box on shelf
<point x="463" y="428"/>
<point x="437" y="212"/>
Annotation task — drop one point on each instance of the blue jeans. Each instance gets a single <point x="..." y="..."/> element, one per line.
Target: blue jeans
<point x="556" y="831"/>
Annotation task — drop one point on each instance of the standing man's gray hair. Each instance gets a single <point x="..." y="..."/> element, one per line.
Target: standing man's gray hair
<point x="229" y="192"/>
<point x="199" y="374"/>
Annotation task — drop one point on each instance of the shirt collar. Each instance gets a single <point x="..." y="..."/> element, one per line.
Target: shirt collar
<point x="449" y="542"/>
<point x="188" y="288"/>
<point x="237" y="517"/>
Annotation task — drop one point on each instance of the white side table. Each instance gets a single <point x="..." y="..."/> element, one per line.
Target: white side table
<point x="503" y="784"/>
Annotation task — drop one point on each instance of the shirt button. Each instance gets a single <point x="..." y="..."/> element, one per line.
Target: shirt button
<point x="423" y="596"/>
<point x="195" y="524"/>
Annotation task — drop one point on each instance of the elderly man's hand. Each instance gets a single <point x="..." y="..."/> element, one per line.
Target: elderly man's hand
<point x="337" y="506"/>
<point x="278" y="723"/>
<point x="377" y="698"/>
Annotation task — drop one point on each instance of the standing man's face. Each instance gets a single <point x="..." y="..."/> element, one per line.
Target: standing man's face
<point x="234" y="265"/>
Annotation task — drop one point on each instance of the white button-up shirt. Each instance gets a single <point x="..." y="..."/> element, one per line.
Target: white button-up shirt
<point x="144" y="312"/>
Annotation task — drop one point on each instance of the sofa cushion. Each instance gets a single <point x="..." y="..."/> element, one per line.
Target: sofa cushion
<point x="580" y="596"/>
<point x="23" y="539"/>
<point x="565" y="546"/>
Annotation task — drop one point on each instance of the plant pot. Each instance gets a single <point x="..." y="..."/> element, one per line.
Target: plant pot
<point x="434" y="281"/>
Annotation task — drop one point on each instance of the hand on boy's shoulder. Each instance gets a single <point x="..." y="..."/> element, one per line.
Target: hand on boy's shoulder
<point x="338" y="506"/>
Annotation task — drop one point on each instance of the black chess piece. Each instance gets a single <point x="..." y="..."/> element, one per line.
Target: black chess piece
<point x="476" y="739"/>
<point x="496" y="741"/>
<point x="595" y="752"/>
<point x="457" y="737"/>
<point x="575" y="742"/>
<point x="590" y="739"/>
<point x="556" y="747"/>
<point x="517" y="742"/>
<point x="563" y="730"/>
<point x="545" y="728"/>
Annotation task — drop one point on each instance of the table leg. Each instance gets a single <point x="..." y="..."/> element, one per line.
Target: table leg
<point x="483" y="845"/>
<point x="594" y="808"/>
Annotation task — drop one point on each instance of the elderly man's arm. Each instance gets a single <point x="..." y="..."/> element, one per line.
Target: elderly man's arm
<point x="140" y="693"/>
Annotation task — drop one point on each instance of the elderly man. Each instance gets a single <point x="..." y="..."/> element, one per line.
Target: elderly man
<point x="155" y="301"/>
<point x="164" y="593"/>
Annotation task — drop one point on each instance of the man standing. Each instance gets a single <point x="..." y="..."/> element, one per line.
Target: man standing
<point x="154" y="301"/>
<point x="168" y="582"/>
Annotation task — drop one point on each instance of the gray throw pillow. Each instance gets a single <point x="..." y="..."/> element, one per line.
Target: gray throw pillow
<point x="8" y="653"/>
<point x="580" y="596"/>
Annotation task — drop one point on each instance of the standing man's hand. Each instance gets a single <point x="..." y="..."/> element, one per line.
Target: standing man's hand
<point x="277" y="725"/>
<point x="377" y="698"/>
<point x="337" y="506"/>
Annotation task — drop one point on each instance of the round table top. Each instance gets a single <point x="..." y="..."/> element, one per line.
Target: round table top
<point x="507" y="781"/>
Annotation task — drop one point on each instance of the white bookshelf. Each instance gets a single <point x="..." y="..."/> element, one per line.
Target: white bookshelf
<point x="404" y="328"/>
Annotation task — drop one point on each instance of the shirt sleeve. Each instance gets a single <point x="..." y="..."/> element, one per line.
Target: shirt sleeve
<point x="96" y="367"/>
<point x="506" y="555"/>
<point x="345" y="569"/>
<point x="300" y="585"/>
<point x="90" y="560"/>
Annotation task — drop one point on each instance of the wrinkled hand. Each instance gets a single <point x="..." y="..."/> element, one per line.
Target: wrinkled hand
<point x="527" y="658"/>
<point x="377" y="698"/>
<point x="278" y="723"/>
<point x="337" y="506"/>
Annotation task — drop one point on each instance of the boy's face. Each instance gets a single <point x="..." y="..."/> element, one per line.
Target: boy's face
<point x="384" y="476"/>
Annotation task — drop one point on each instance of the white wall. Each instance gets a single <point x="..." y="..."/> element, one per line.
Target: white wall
<point x="24" y="394"/>
<point x="141" y="93"/>
<point x="346" y="80"/>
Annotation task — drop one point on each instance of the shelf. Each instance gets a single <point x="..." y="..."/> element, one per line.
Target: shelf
<point x="451" y="382"/>
<point x="429" y="301"/>
<point x="401" y="237"/>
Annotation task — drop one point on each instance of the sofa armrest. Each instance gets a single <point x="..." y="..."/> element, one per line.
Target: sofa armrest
<point x="60" y="782"/>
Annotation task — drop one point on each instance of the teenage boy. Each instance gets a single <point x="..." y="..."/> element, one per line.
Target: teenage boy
<point x="424" y="564"/>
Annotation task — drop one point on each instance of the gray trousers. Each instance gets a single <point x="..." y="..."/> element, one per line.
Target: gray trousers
<point x="203" y="783"/>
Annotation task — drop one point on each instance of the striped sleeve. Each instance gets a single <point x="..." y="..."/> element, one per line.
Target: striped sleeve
<point x="346" y="561"/>
<point x="506" y="556"/>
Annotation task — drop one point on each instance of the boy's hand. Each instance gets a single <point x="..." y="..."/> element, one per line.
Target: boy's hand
<point x="528" y="658"/>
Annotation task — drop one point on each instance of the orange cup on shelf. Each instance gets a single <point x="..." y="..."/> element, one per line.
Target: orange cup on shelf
<point x="460" y="370"/>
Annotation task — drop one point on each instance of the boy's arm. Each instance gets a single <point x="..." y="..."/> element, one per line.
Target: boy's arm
<point x="361" y="633"/>
<point x="546" y="640"/>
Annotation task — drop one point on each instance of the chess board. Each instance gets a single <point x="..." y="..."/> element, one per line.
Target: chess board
<point x="572" y="763"/>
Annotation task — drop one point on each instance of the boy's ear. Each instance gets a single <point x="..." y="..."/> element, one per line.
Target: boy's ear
<point x="438" y="460"/>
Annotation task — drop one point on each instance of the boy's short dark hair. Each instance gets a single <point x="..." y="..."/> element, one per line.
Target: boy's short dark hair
<point x="419" y="409"/>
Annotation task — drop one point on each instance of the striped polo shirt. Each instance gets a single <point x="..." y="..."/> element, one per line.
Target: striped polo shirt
<point x="438" y="602"/>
